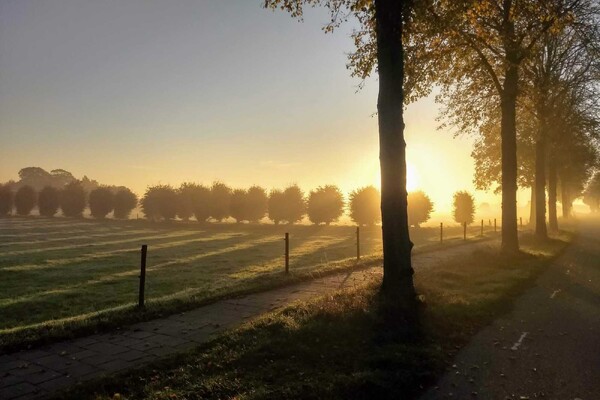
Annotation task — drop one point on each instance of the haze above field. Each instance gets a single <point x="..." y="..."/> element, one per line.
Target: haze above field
<point x="144" y="92"/>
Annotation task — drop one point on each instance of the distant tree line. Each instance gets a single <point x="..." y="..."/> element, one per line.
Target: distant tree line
<point x="60" y="190"/>
<point x="218" y="202"/>
<point x="72" y="200"/>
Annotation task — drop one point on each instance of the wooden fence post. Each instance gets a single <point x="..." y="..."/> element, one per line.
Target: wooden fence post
<point x="142" y="275"/>
<point x="441" y="232"/>
<point x="481" y="227"/>
<point x="521" y="222"/>
<point x="358" y="242"/>
<point x="494" y="224"/>
<point x="287" y="252"/>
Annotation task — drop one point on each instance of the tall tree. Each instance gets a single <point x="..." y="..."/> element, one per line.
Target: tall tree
<point x="482" y="45"/>
<point x="383" y="21"/>
<point x="564" y="63"/>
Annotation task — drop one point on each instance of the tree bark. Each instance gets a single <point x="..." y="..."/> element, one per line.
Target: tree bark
<point x="532" y="207"/>
<point x="510" y="239"/>
<point x="565" y="197"/>
<point x="540" y="187"/>
<point x="552" y="178"/>
<point x="397" y="267"/>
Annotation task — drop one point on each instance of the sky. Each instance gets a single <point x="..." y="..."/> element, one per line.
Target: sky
<point x="142" y="92"/>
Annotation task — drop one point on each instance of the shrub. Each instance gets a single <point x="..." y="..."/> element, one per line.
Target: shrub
<point x="365" y="206"/>
<point x="325" y="205"/>
<point x="463" y="207"/>
<point x="101" y="202"/>
<point x="295" y="204"/>
<point x="185" y="200"/>
<point x="6" y="200"/>
<point x="48" y="201"/>
<point x="276" y="206"/>
<point x="237" y="205"/>
<point x="159" y="202"/>
<point x="419" y="208"/>
<point x="25" y="200"/>
<point x="72" y="199"/>
<point x="220" y="200"/>
<point x="201" y="202"/>
<point x="125" y="201"/>
<point x="256" y="203"/>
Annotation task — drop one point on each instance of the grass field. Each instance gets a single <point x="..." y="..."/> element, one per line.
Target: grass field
<point x="61" y="273"/>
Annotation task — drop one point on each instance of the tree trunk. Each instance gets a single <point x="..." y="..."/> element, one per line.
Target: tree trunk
<point x="540" y="187"/>
<point x="552" y="216"/>
<point x="532" y="207"/>
<point x="510" y="238"/>
<point x="397" y="268"/>
<point x="565" y="198"/>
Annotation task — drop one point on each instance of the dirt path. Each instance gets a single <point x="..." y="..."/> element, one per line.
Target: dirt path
<point x="549" y="346"/>
<point x="40" y="372"/>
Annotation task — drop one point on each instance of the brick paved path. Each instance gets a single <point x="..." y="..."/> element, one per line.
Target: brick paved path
<point x="40" y="372"/>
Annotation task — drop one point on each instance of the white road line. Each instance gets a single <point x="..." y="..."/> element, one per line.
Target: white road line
<point x="554" y="293"/>
<point x="518" y="342"/>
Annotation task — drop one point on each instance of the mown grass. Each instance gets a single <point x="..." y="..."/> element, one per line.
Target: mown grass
<point x="345" y="345"/>
<point x="64" y="278"/>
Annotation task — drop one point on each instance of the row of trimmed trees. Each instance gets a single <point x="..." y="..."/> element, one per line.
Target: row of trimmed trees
<point x="72" y="199"/>
<point x="323" y="205"/>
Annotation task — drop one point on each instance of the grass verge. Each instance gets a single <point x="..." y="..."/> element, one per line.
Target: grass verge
<point x="343" y="345"/>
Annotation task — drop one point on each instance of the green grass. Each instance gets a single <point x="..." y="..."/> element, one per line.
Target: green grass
<point x="344" y="345"/>
<point x="61" y="278"/>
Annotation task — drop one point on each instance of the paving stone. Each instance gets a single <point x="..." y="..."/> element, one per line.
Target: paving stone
<point x="9" y="380"/>
<point x="132" y="355"/>
<point x="139" y="334"/>
<point x="56" y="384"/>
<point x="64" y="348"/>
<point x="33" y="354"/>
<point x="54" y="362"/>
<point x="82" y="355"/>
<point x="26" y="370"/>
<point x="83" y="342"/>
<point x="42" y="376"/>
<point x="117" y="365"/>
<point x="107" y="348"/>
<point x="18" y="390"/>
<point x="12" y="363"/>
<point x="100" y="359"/>
<point x="79" y="370"/>
<point x="145" y="345"/>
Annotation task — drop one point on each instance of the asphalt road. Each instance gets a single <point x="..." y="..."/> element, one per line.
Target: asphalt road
<point x="548" y="347"/>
